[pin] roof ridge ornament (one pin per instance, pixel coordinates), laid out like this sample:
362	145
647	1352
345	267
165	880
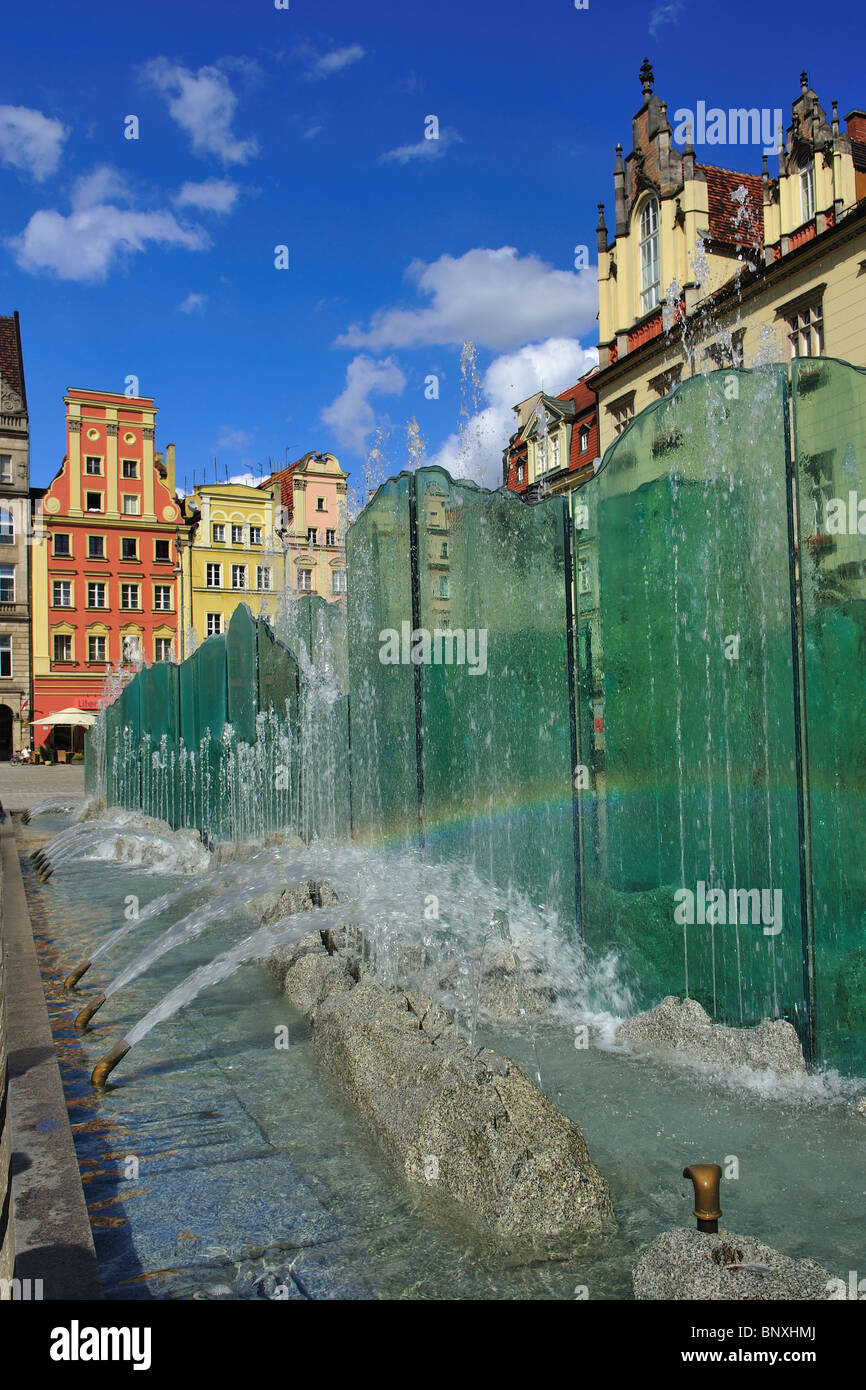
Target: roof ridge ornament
647	77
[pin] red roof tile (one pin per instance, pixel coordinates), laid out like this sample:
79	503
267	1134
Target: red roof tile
734	219
284	478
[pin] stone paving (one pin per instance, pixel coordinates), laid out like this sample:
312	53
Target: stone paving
22	787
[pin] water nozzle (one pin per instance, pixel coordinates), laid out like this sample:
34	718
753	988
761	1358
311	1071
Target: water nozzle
75	975
706	1178
105	1066
83	1018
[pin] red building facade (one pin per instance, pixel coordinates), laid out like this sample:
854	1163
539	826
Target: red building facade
104	586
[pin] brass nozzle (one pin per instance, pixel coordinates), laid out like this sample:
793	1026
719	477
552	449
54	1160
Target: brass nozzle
105	1066
83	1018
706	1178
75	975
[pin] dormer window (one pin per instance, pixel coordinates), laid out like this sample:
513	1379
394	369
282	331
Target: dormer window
807	192
650	280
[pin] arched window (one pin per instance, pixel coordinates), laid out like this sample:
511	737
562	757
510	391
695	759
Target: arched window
650	278
7	527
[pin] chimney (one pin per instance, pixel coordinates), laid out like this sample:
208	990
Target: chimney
855	122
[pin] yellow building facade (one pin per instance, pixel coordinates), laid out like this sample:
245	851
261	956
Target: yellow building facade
233	554
714	268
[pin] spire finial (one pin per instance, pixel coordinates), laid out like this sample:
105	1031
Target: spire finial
804	82
647	77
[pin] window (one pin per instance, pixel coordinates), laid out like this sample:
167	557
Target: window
62	647
218	533
665	382
162	649
554	451
330	538
650	278
255	535
61	593
7	584
95	548
312	535
339	581
129	596
320	504
162	596
5	468
213	576
237	535
521	472
239	576
162	551
131	649
305	581
93	466
443	551
214	624
96	596
263	576
5	658
129	468
541	456
584	574
806	330
94	501
807	192
7	526
622	411
96	649
61	544
583	439
130	504
444	587
129	548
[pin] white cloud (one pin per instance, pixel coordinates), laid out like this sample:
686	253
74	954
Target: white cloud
203	104
211	195
86	244
320	65
249	479
30	141
495	298
233	440
665	13
193	304
351	416
424	149
476	452
312	132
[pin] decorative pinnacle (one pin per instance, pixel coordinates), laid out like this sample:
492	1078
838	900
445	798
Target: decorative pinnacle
804	81
647	77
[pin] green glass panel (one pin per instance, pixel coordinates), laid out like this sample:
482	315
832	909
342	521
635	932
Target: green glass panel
159	703
212	699
830	438
242	682
497	737
686	684
384	755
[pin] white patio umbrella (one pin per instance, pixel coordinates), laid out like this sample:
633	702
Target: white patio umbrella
69	716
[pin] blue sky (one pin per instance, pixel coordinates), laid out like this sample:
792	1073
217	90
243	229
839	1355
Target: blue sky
305	127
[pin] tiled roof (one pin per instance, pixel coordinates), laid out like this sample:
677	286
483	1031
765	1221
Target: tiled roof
733	219
10	357
284	478
580	394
